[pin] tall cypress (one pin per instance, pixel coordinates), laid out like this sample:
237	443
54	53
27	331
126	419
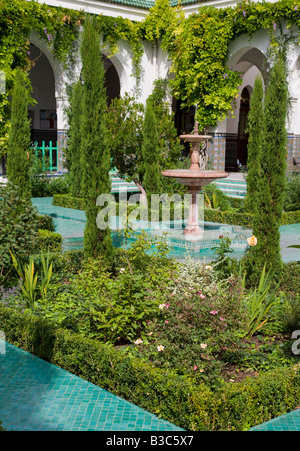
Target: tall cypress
150	152
255	130
18	153
271	186
94	146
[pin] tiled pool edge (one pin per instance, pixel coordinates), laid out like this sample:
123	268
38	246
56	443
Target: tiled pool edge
37	395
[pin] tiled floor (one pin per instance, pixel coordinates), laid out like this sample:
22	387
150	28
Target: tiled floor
287	422
38	396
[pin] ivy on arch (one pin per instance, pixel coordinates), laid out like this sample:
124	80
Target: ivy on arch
197	45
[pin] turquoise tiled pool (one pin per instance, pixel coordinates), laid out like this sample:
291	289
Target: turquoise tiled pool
38	396
70	224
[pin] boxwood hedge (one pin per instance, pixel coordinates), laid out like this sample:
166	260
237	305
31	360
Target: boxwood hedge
194	407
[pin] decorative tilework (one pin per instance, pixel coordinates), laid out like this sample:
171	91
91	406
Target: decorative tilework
38	396
61	144
293	151
216	151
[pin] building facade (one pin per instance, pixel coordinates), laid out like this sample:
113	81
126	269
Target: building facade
246	54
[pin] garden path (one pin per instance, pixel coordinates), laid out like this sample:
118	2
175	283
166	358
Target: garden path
39	396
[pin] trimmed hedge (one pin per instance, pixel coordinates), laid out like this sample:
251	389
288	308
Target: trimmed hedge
177	399
69	201
245	219
47	240
290	217
228	217
210	215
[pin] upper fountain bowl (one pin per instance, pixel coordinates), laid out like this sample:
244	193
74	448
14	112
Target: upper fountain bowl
195	138
194	178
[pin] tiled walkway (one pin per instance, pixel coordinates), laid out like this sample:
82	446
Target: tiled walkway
287	422
38	396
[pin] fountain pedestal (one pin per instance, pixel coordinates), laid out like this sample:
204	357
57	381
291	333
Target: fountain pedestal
195	178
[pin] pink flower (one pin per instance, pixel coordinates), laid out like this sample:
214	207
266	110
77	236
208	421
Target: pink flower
167	305
213	312
166	322
202	296
222	319
195	367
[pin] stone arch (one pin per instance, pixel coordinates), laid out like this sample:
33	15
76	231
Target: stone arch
44	113
249	58
120	65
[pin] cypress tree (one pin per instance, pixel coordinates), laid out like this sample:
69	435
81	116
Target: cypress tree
255	130
18	153
271	186
94	146
150	152
73	151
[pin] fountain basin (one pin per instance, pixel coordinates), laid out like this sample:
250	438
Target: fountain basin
194	178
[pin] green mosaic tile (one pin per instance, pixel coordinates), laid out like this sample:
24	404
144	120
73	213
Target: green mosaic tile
38	396
287	422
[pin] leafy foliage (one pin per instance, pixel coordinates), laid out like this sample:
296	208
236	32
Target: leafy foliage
271	184
19	224
254	147
18	157
150	152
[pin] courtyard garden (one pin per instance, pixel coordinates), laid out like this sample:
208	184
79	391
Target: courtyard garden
208	345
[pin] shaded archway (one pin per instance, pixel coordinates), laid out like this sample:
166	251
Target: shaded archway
250	61
43	114
242	138
112	81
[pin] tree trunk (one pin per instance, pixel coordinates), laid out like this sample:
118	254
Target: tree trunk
143	195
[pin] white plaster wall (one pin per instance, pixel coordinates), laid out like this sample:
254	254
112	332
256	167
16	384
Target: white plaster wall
294	90
248	81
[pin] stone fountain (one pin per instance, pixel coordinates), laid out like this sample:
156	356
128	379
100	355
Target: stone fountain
195	178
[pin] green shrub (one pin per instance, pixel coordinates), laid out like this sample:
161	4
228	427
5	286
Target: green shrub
228	217
68	201
110	306
45	186
290	279
175	398
47	240
216	199
292	193
290	217
46	222
234	216
19	224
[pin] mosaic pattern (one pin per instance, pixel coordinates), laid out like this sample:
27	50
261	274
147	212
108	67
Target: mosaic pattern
216	151
61	144
293	151
38	396
287	422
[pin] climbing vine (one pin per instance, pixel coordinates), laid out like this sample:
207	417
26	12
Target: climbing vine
198	48
197	45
